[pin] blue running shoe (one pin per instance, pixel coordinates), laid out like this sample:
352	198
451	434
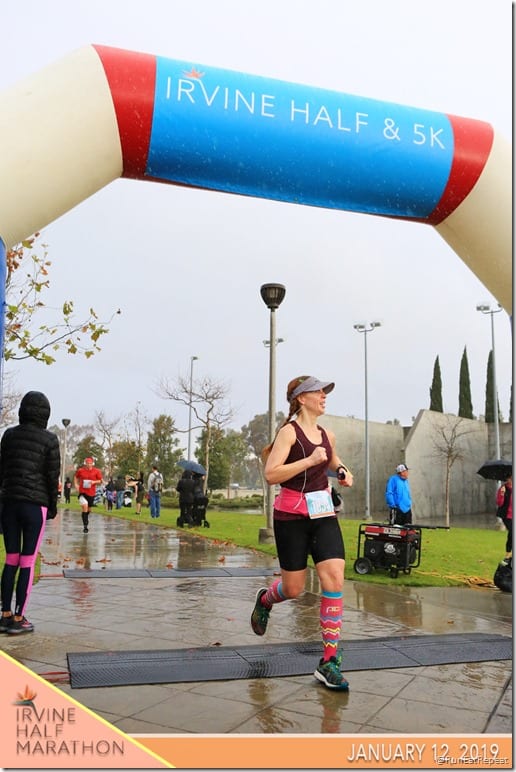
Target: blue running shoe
260	615
329	674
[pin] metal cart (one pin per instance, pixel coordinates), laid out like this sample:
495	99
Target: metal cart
394	548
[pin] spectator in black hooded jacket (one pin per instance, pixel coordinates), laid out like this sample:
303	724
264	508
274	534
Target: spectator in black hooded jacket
186	487
29	478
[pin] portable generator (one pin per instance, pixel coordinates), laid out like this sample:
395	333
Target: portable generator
394	548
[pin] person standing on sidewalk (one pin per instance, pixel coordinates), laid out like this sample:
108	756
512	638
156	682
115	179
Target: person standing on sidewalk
155	486
139	489
87	477
186	489
67	490
504	511
137	484
110	492
30	464
304	519
119	491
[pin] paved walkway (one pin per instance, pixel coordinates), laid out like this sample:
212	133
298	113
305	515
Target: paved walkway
81	614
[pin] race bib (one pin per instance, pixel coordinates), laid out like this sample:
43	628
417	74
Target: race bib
319	504
86	483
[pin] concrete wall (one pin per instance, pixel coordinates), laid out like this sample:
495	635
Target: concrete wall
426	457
386	443
390	445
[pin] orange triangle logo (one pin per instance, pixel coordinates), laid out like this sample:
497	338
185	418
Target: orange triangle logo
42	728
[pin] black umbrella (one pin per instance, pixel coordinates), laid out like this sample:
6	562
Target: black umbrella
500	469
191	466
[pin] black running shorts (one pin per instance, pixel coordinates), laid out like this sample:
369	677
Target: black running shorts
90	500
297	539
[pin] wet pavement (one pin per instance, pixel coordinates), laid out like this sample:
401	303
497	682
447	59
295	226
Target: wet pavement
109	613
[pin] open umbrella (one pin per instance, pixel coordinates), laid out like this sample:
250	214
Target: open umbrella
499	469
191	466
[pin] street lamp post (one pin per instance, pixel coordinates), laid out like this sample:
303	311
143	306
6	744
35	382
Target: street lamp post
272	295
66	423
486	309
365	329
192	360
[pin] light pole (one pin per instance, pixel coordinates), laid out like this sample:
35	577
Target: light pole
365	329
486	309
272	295
192	360
66	423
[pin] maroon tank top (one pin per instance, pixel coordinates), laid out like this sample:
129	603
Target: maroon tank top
315	478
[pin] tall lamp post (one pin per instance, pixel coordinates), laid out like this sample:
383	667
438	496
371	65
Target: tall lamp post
486	309
365	329
192	360
272	295
66	424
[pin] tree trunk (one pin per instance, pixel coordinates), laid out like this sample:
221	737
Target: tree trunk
447	495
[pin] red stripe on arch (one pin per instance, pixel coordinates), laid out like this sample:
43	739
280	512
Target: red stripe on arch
473	142
132	79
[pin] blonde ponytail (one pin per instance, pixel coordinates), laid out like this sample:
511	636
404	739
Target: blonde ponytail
294	409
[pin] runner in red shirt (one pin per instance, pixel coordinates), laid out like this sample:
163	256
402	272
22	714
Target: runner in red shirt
87	477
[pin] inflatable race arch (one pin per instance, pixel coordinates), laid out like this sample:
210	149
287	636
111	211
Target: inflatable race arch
103	113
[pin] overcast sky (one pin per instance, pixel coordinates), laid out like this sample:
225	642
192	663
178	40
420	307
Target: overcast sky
185	266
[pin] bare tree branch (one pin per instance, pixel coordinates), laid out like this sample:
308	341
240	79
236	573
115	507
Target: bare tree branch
447	434
106	430
208	400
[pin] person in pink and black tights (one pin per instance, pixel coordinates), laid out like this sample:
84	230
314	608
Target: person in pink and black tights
29	478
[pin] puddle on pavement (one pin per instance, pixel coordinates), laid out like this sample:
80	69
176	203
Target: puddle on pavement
121	544
113	543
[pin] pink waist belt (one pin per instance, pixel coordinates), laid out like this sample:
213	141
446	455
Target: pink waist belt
291	501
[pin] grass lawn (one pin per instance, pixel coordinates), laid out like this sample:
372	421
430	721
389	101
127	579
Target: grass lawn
458	557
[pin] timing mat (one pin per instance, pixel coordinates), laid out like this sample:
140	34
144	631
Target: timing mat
209	663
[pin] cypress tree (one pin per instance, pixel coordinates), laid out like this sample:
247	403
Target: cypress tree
465	405
491	400
490	396
436	389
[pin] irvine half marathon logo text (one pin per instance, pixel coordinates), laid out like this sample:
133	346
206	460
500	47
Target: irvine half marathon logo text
48	731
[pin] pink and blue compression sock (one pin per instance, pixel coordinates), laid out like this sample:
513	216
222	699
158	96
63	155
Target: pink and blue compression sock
331	622
273	595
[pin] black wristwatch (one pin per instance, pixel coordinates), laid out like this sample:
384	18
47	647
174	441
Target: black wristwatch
341	472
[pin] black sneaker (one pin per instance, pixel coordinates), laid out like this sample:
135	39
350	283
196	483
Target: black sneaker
85	530
260	615
6	623
21	626
329	674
